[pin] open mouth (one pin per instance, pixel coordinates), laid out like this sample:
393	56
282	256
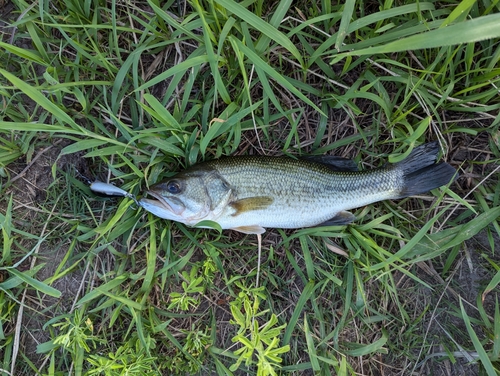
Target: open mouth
162	207
158	207
160	201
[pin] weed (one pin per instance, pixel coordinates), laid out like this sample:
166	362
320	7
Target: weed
257	340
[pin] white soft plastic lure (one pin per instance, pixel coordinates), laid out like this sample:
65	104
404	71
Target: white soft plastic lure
111	190
108	189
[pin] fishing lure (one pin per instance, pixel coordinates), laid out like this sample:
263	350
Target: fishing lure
111	190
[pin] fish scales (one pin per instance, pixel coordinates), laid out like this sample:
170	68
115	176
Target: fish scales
251	193
305	193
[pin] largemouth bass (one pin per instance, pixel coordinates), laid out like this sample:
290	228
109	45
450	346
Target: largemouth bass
251	193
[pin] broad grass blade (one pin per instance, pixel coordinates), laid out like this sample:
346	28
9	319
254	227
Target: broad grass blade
475	30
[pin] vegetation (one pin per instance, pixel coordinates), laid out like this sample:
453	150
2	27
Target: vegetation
131	92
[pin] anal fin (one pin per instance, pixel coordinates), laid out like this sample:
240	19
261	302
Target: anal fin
341	218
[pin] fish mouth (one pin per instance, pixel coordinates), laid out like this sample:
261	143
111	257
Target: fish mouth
160	199
161	205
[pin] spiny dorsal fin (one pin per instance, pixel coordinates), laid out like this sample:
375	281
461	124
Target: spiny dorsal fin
251	203
333	162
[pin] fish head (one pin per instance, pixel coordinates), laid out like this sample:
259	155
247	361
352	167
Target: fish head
189	197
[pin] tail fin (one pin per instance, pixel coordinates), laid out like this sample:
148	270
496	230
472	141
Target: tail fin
421	173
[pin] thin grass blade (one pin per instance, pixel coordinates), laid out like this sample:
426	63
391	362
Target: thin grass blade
307	293
483	356
344	22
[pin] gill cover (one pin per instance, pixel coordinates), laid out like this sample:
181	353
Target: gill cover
189	197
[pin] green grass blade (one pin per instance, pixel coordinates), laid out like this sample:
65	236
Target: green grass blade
23	53
460	12
371	19
483	356
161	113
408	247
374	347
435	244
41	100
311	349
496	333
281	10
6	227
474	30
492	285
172	22
259	24
307	257
208	38
176	69
38	285
151	253
344	22
281	80
167	146
307	293
123	300
101	289
219	127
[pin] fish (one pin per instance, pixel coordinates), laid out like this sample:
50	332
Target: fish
251	193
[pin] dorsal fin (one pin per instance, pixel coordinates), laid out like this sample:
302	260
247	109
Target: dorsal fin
333	162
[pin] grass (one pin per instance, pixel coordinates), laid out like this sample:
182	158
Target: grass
131	92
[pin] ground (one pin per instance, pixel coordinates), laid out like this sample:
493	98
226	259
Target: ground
94	282
465	281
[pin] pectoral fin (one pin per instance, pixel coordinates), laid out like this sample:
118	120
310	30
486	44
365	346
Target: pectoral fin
251	203
341	218
256	229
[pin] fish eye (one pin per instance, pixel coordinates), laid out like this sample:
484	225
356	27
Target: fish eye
173	187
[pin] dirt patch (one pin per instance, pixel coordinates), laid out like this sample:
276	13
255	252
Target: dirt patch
41	309
30	188
443	324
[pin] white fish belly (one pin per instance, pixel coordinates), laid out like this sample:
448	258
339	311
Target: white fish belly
298	213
